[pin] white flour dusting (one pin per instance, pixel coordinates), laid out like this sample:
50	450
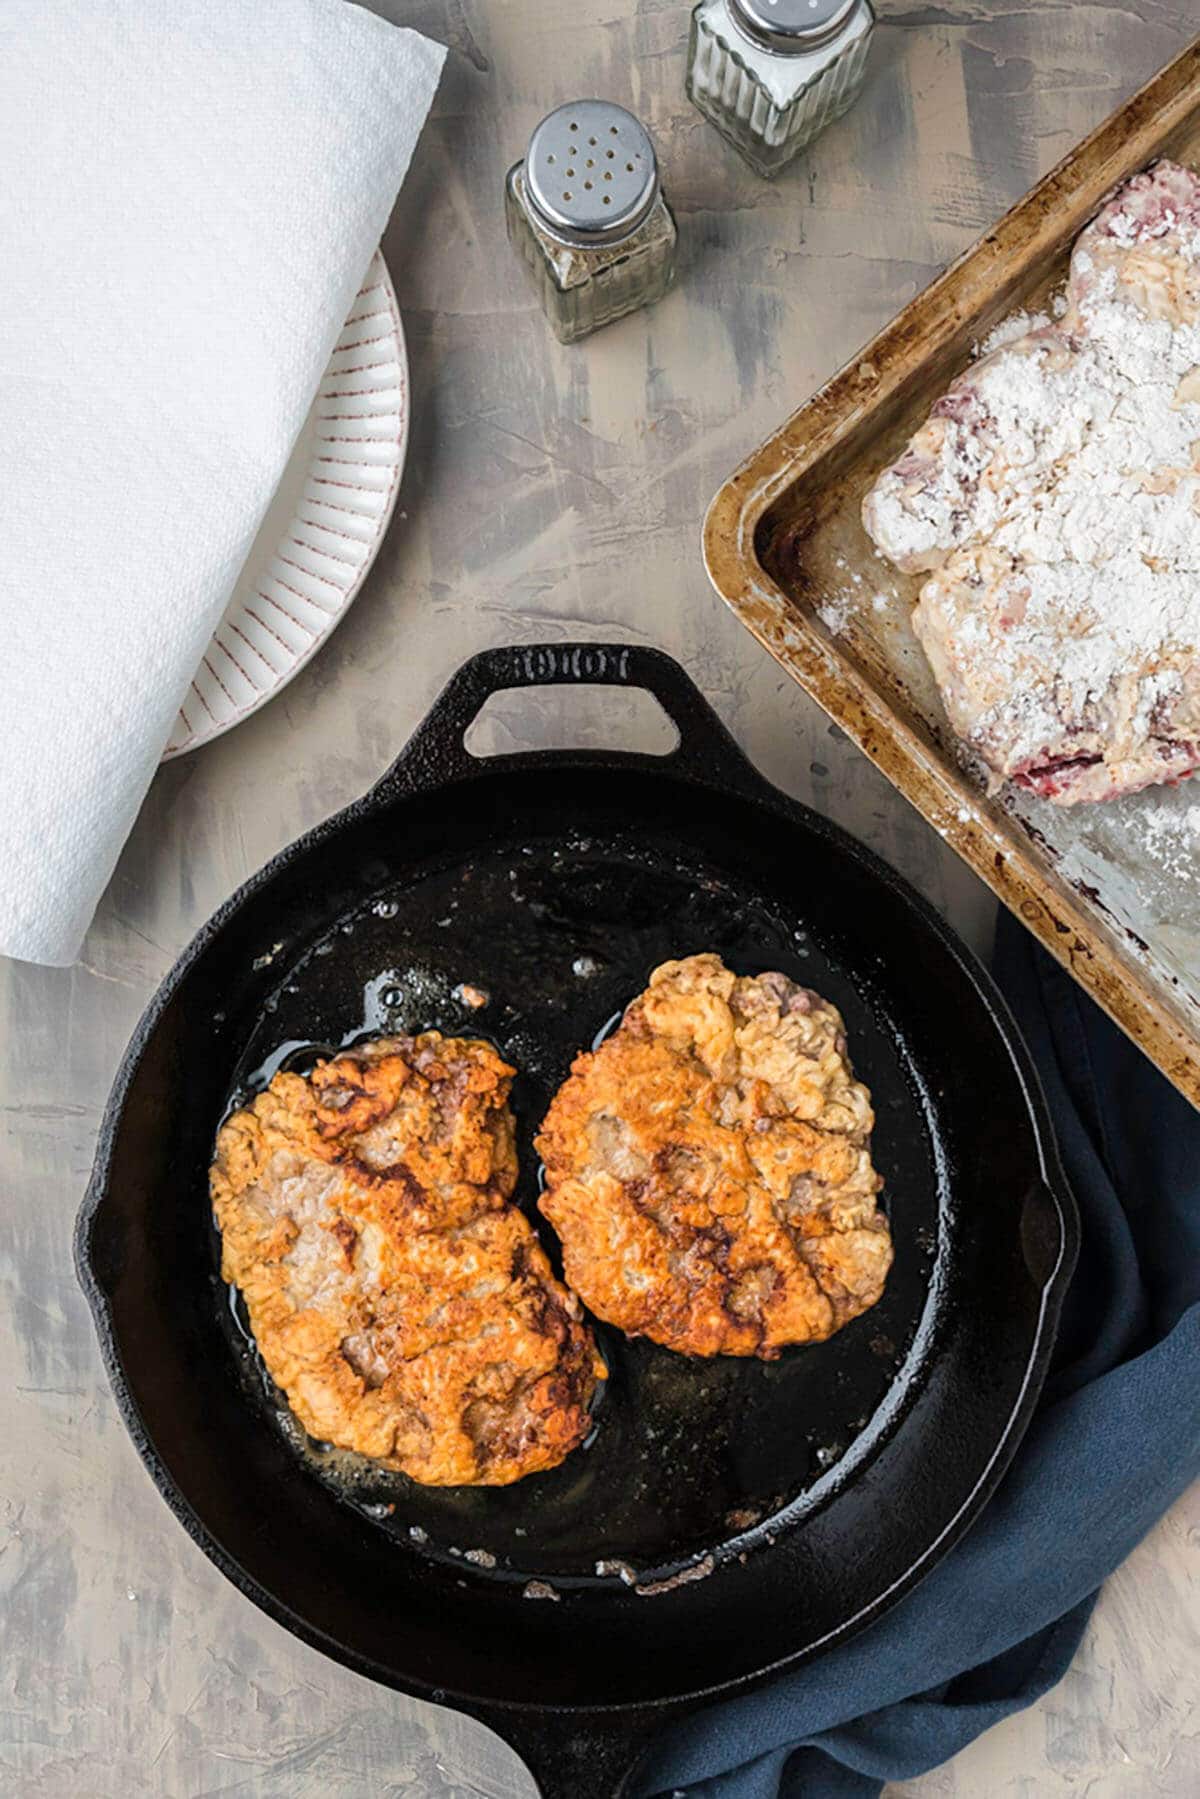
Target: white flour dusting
986	449
1171	838
834	613
1017	324
1091	575
1055	493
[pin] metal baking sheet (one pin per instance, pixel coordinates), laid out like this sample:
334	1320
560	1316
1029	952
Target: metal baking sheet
1112	890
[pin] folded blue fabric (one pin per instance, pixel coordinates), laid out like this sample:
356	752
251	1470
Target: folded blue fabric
1115	1441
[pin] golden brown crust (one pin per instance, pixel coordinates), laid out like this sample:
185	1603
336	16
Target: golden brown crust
404	1307
708	1168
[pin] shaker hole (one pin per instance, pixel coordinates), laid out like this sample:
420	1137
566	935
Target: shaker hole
614	131
608	174
588	185
566	195
608	199
591	140
574	127
629	166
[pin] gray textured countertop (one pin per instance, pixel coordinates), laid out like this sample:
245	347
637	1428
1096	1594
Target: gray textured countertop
550	493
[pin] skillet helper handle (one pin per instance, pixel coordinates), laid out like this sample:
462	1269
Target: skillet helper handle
436	752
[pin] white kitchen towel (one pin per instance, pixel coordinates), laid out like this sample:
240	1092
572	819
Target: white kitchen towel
190	193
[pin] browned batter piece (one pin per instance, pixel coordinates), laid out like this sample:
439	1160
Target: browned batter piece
709	1171
405	1308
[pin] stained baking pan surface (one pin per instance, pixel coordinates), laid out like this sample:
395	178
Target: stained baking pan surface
1112	890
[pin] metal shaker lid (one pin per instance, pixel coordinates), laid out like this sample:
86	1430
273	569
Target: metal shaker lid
590	172
791	26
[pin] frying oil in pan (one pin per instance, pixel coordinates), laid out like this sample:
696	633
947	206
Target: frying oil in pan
688	1458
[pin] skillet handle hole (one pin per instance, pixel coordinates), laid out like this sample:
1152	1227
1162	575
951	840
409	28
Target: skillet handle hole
606	717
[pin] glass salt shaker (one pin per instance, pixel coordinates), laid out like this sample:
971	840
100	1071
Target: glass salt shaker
771	74
586	211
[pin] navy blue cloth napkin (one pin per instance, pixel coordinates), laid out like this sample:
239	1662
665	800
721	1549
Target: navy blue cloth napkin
1115	1441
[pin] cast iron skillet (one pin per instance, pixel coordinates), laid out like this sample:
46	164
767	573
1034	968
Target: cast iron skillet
726	1518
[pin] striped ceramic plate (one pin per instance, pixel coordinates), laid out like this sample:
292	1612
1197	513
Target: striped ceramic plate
322	530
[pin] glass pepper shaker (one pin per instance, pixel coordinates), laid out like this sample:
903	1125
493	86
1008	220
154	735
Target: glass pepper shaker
771	74
586	211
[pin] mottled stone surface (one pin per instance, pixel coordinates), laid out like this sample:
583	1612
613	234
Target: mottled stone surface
549	493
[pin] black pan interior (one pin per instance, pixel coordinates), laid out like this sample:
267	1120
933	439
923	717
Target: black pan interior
560	932
796	1498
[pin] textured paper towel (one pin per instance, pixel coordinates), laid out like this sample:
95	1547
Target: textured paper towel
192	190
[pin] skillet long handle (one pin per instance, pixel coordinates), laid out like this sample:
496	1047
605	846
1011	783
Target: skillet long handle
436	752
579	1757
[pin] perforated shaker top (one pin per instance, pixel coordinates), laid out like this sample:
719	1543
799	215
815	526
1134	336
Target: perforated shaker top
590	172
792	26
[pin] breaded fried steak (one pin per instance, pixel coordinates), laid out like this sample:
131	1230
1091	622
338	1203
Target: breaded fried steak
708	1168
405	1308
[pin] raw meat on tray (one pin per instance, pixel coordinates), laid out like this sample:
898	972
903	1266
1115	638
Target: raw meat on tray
976	456
1146	235
1053	500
